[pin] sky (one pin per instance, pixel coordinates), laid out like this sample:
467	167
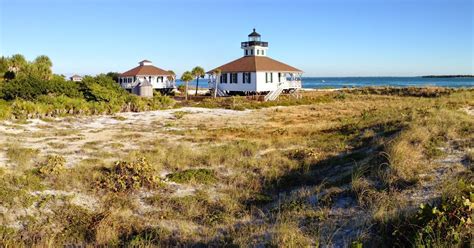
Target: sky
328	38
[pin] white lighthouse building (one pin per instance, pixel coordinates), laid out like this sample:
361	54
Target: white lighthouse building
255	73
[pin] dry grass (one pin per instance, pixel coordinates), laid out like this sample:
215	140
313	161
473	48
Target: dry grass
21	156
320	171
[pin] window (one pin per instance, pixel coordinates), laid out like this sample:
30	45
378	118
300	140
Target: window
129	80
159	79
269	77
246	78
263	52
279	77
258	52
246	52
224	78
233	78
149	78
251	52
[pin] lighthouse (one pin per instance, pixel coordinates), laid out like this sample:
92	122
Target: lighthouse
254	46
254	73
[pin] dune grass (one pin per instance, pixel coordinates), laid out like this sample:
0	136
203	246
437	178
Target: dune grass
281	176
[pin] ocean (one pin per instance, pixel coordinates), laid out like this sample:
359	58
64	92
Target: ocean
348	82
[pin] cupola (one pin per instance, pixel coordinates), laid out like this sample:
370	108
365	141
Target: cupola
254	46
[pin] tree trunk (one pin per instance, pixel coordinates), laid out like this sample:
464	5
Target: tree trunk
197	85
186	93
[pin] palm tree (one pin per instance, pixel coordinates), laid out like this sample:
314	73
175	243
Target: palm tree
198	72
186	78
217	73
43	65
17	62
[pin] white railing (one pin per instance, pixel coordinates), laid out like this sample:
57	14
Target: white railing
211	84
294	84
166	84
160	85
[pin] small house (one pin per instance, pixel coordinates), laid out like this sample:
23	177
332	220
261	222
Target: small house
75	78
145	78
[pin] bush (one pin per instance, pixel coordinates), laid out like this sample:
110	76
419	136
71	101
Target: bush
30	88
53	165
182	88
102	89
127	176
448	223
444	224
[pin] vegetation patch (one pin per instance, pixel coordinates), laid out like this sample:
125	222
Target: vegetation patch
21	156
53	165
180	114
406	91
15	189
447	223
127	176
203	176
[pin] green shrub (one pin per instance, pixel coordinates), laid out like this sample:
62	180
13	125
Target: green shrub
204	176
127	176
102	89
53	165
182	88
444	224
30	88
449	223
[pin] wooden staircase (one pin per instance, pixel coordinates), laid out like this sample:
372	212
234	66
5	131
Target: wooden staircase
221	93
273	95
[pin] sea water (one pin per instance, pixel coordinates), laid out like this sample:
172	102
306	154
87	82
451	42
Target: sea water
348	82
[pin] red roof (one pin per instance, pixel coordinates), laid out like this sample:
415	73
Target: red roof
254	64
145	70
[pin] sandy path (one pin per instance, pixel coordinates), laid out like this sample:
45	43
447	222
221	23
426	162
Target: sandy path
79	138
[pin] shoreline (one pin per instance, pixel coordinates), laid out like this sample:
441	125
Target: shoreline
202	91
